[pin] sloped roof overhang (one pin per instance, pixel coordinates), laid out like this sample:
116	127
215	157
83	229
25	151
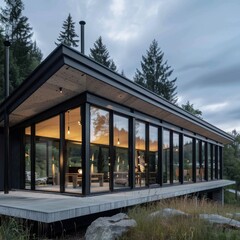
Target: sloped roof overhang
76	73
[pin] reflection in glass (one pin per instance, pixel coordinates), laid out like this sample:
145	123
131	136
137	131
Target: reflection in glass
73	163
99	168
99	126
140	163
47	155
153	155
175	157
166	156
121	165
188	158
27	158
99	150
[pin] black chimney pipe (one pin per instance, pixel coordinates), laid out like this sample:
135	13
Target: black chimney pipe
82	23
7	45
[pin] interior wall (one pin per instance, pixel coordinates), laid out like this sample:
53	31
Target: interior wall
1	159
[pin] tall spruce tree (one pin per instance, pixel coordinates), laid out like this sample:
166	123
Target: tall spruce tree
68	35
100	54
24	54
155	74
189	108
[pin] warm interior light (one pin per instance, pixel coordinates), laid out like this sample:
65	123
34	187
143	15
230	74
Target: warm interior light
68	130
79	123
118	142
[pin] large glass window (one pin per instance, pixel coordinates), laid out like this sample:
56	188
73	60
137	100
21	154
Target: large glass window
199	167
187	159
175	157
47	155
203	166
28	162
73	161
153	155
121	164
99	150
209	161
166	156
140	161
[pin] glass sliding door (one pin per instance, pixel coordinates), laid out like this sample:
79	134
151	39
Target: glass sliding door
187	159
153	155
175	157
120	142
47	155
73	161
166	156
140	149
99	150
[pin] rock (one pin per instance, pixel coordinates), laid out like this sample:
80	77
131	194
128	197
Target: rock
215	218
168	212
109	228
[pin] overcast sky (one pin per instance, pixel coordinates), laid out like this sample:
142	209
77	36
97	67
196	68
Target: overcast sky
200	40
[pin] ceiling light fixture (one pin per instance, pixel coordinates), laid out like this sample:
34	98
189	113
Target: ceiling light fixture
68	122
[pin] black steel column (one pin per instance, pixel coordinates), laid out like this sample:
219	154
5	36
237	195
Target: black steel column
111	151
181	152
171	157
211	146
206	161
131	144
6	152
216	162
85	116
147	155
194	161
160	156
33	156
62	151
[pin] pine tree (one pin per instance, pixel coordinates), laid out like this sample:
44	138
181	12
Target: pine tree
189	108
155	74
68	35
100	54
24	54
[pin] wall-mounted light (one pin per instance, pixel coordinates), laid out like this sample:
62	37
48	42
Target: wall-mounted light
60	90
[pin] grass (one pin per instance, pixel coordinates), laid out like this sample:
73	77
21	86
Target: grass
11	229
181	227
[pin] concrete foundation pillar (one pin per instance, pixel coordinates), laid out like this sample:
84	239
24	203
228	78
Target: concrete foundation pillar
218	195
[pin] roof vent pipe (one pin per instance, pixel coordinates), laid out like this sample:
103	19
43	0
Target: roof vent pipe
82	23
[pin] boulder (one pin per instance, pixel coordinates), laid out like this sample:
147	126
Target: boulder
218	219
109	228
168	212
